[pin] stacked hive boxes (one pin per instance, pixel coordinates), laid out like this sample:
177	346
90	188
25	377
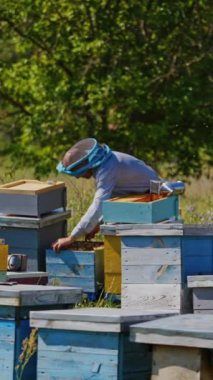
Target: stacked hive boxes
151	268
134	210
33	215
16	302
156	258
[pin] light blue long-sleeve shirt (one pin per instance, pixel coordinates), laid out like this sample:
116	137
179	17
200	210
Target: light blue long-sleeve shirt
121	174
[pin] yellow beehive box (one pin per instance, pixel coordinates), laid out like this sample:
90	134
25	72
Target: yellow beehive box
3	255
112	264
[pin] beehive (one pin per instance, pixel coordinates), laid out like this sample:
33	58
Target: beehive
151	266
197	250
31	236
145	208
202	289
90	343
16	301
31	197
182	346
80	265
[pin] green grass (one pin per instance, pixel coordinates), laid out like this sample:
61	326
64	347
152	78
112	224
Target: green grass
196	205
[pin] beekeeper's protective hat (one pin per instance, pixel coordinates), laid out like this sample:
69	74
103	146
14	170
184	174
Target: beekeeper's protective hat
84	155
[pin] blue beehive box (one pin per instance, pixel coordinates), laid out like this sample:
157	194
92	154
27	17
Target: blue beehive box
197	250
80	265
31	236
16	301
91	343
146	208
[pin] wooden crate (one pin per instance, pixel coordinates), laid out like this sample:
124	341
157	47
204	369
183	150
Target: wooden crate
16	301
90	343
182	346
80	265
32	236
146	208
31	197
202	288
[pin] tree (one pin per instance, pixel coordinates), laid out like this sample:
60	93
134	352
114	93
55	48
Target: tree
132	74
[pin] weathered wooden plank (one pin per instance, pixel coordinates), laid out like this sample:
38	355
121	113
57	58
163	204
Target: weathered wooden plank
145	256
158	229
151	274
87	284
28	295
150	242
151	296
7	355
199	281
189	330
149	232
72	270
32	222
69	257
97	315
132	226
203	311
198	229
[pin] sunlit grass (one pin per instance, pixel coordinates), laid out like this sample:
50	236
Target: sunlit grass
197	202
196	205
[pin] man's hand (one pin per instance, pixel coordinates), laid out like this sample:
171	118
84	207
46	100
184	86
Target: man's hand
62	243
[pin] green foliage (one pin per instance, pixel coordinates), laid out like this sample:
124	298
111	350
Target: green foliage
135	74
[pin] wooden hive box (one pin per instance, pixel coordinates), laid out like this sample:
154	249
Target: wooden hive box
151	272
31	197
3	259
182	346
202	288
112	266
145	208
197	250
32	236
90	343
16	301
80	265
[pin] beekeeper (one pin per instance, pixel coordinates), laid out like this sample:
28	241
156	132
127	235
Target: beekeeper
115	174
